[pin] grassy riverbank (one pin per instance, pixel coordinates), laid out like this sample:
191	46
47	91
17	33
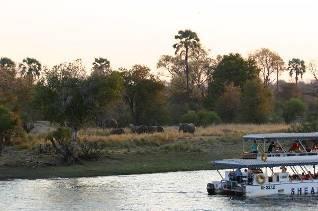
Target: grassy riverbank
131	153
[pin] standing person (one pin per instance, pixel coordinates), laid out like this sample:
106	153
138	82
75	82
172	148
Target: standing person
254	148
271	147
238	175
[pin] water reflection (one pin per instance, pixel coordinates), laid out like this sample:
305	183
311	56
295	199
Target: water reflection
166	191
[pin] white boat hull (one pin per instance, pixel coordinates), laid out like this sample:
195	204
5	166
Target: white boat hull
300	188
294	188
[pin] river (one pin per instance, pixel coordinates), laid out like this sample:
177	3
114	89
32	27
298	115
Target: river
161	191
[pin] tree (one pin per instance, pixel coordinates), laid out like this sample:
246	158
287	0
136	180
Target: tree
101	66
256	102
293	108
201	66
7	64
297	67
144	95
313	69
228	104
233	69
187	40
67	96
269	63
30	68
7	123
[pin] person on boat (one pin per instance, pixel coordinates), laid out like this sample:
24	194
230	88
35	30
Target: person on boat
271	147
310	175
238	175
278	148
254	148
244	175
295	147
315	147
284	169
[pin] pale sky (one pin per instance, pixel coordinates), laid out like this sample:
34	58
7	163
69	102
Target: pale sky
131	32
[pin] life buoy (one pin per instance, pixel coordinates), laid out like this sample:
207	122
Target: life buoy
264	157
260	179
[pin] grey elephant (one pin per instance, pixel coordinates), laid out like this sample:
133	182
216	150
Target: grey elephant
187	127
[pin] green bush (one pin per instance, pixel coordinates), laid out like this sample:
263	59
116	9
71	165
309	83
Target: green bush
294	108
208	117
190	117
201	118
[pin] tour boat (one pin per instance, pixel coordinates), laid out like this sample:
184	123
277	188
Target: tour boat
283	170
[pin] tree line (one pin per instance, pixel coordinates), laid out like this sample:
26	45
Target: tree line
201	89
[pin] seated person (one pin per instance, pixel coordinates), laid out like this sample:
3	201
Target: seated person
271	147
284	169
315	147
278	149
295	147
254	148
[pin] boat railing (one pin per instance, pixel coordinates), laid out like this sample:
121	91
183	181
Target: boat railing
289	154
277	154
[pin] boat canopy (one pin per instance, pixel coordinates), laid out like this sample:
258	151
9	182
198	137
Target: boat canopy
254	163
281	136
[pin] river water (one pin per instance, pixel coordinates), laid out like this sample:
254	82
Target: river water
161	191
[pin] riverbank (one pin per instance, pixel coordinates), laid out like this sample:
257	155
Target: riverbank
131	153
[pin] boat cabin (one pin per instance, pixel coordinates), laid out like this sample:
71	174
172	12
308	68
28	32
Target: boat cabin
280	146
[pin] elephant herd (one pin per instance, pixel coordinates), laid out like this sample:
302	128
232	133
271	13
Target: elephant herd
139	129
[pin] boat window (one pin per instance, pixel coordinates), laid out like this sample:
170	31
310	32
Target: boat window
270	179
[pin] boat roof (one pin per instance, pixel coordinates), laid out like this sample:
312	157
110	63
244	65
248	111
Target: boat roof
254	163
281	136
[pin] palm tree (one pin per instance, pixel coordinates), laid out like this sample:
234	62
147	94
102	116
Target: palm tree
187	40
298	67
101	66
30	67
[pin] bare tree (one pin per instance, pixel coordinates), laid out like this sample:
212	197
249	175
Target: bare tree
312	67
269	63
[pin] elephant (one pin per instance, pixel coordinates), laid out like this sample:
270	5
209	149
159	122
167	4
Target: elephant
107	123
117	131
187	127
159	129
145	129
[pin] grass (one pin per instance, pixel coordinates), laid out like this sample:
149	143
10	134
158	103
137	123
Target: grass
132	153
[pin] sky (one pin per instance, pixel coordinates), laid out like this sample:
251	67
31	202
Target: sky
129	32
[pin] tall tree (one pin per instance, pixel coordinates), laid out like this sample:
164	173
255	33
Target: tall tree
269	63
201	66
187	41
31	68
101	66
296	66
232	68
144	95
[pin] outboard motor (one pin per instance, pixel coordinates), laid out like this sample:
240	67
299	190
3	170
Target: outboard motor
210	188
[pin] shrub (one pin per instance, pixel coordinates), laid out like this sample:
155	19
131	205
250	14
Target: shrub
201	118
190	117
293	109
208	117
90	151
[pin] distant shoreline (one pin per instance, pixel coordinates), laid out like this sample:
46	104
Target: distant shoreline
132	153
